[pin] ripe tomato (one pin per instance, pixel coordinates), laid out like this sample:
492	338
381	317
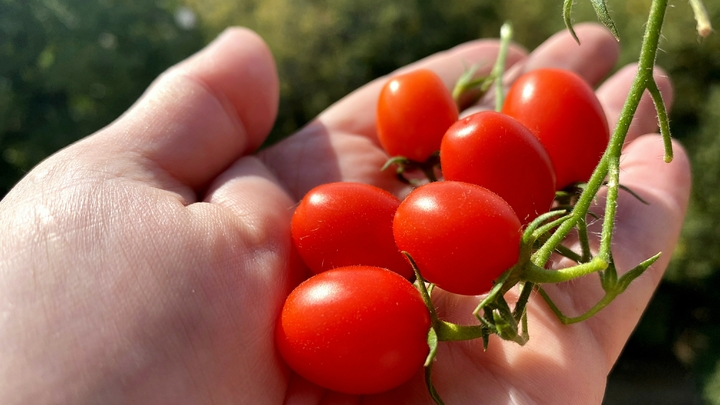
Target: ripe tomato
413	112
495	151
462	236
561	109
357	330
343	224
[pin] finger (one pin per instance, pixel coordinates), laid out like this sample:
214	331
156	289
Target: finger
199	116
250	191
341	143
641	231
614	91
592	59
260	268
261	210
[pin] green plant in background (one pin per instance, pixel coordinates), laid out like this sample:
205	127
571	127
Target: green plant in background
71	66
692	281
325	49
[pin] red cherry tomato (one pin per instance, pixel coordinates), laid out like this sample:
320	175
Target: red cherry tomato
561	109
462	236
413	112
357	330
344	224
495	151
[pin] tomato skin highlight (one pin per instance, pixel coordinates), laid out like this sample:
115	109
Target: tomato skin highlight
344	224
356	330
462	236
561	109
413	112
497	152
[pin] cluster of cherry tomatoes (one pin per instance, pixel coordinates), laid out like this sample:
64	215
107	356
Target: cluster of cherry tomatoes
359	325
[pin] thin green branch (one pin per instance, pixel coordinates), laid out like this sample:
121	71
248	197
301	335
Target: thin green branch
542	255
433	345
524	325
519	312
420	284
664	122
451	332
567	252
644	77
531	233
466	82
584	241
646	63
613	192
549	226
704	27
443	331
506	32
634	194
539	275
567	17
494	293
609	277
611	292
607	299
506	324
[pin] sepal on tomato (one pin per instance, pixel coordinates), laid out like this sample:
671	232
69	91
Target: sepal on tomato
406	168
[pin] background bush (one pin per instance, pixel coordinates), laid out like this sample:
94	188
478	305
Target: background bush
70	67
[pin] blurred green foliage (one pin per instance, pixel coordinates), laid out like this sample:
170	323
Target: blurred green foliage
69	67
325	49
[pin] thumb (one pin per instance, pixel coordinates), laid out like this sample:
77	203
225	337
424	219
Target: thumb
199	116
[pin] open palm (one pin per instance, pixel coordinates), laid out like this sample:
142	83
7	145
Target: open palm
148	263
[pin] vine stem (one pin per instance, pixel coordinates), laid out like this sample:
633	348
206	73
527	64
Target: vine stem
506	33
444	331
643	80
609	165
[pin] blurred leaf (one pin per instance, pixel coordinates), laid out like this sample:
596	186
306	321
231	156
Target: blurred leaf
603	15
72	66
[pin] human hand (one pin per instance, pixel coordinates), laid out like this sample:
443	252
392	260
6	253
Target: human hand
148	263
560	364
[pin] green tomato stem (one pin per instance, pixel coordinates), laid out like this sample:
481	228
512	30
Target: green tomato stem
612	290
648	53
610	162
539	275
525	292
567	17
584	240
451	332
506	32
704	28
567	252
420	285
664	121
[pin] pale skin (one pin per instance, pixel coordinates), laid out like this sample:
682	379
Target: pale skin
147	263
